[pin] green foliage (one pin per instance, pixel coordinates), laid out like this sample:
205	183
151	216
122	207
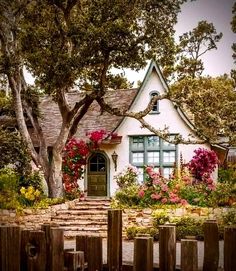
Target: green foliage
227	174
195	194
160	217
34	179
192	45
229	218
133	231
128	177
128	196
29	196
223	195
46	202
211	102
6	105
9	181
188	226
13	151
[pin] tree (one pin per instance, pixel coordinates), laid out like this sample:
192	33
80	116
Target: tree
211	103
191	47
77	41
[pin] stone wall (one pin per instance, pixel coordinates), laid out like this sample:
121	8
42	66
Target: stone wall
34	218
143	217
31	218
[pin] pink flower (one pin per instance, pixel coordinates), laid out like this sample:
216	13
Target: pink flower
183	202
155	196
164	188
164	200
156	182
141	193
149	170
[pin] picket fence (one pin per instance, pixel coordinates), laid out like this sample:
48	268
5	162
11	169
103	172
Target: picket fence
43	250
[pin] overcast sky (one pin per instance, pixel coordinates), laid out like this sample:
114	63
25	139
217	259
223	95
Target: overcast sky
218	12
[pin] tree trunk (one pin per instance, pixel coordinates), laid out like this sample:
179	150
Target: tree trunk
55	185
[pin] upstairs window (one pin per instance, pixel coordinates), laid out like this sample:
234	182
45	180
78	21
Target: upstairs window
155	108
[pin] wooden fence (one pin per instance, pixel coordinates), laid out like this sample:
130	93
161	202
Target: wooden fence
43	250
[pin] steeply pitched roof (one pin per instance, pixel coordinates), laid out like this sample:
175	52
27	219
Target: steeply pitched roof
94	119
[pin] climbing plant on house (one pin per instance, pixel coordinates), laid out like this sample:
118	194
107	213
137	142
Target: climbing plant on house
75	157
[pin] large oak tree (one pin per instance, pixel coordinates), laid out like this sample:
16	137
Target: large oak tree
63	42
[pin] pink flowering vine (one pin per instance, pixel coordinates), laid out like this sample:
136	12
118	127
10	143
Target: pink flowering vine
75	156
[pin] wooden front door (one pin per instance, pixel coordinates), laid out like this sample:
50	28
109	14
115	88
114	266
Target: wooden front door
97	175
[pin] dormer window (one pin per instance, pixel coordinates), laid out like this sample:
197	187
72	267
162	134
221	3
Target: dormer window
155	108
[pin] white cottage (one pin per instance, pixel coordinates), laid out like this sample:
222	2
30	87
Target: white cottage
138	146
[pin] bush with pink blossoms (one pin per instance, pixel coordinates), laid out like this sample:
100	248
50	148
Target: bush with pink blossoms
158	190
203	163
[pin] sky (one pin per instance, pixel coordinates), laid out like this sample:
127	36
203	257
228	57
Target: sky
218	12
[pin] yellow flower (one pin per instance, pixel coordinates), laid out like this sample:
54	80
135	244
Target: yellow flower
22	190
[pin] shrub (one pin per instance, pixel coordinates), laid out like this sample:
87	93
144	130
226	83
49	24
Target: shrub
133	231
222	195
188	226
196	194
159	190
128	196
128	177
34	180
29	196
9	184
160	218
227	174
203	164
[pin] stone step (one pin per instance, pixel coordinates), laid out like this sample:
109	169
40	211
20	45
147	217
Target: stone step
81	218
91	208
81	223
92	229
72	234
81	212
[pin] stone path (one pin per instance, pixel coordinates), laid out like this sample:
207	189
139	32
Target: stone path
129	245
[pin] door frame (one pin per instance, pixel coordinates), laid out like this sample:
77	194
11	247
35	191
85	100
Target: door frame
107	172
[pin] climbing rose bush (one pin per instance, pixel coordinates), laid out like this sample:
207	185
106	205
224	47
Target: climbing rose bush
75	156
202	165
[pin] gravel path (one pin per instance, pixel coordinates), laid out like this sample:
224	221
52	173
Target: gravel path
128	247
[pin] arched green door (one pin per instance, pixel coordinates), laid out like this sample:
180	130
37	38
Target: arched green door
97	175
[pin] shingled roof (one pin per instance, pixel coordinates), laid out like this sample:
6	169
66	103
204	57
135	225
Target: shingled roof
94	119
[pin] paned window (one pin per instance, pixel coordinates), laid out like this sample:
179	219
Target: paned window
152	150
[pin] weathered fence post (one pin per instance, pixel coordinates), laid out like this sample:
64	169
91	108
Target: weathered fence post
167	248
189	255
143	254
94	253
114	240
33	251
82	245
74	260
211	246
3	248
230	248
10	248
55	247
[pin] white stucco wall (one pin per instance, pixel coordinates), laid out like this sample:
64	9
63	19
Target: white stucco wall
168	116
